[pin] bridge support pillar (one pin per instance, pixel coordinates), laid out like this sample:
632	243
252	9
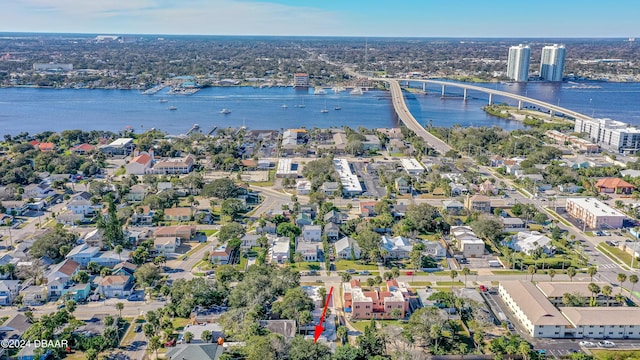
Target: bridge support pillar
519	104
464	96
424	86
490	99
442	91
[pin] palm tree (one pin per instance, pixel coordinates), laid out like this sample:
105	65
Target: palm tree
622	277
606	291
532	269
571	272
620	298
551	273
119	307
435	333
188	336
345	277
154	344
633	279
524	349
543	256
592	271
595	289
465	272
118	250
297	257
322	292
453	274
396	314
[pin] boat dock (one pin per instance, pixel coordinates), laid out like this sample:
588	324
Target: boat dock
193	129
154	89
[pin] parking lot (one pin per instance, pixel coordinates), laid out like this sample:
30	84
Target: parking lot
372	185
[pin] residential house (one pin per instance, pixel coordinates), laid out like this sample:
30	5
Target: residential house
280	250
434	249
59	276
15	208
376	303
13	329
82	149
197	329
614	186
367	208
69	218
139	165
303	219
286	328
452	207
330	188
529	242
511	224
478	203
332	231
371	143
124	268
398	211
37	191
303	187
570	188
183	232
249	241
166	245
142	215
117	286
488	188
33	295
94	238
137	192
177	214
174	166
312	233
402	185
110	258
268	228
79	205
396	146
396	248
9	290
121	146
83	254
334	216
347	248
220	255
46	146
308	250
195	351
467	242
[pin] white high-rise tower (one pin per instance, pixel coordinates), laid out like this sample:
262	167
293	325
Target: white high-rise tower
552	62
518	63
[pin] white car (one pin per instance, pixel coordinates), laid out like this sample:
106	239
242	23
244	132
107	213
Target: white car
606	344
587	344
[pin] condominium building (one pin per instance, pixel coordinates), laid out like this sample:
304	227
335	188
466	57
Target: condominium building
615	135
594	214
350	183
552	62
301	80
518	63
376	303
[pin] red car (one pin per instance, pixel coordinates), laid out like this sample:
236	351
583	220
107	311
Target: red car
409	273
483	288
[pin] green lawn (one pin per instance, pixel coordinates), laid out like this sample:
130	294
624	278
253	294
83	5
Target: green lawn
131	334
208	232
507	272
449	283
203	265
243	263
419	283
179	323
342	265
615	354
620	254
306	265
361	324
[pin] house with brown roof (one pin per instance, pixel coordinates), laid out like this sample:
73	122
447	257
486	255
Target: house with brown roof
478	203
116	286
375	303
220	255
177	214
174	166
46	146
82	149
614	186
183	232
139	165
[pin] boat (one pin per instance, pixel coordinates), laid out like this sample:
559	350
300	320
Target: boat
337	108
225	111
324	109
284	106
356	91
173	108
163	100
319	91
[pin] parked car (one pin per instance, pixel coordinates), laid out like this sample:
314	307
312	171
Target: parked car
138	328
606	344
587	344
24	308
483	288
350	271
365	272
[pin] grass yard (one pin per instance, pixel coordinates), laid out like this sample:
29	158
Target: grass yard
620	254
449	283
128	337
208	232
420	283
615	354
306	266
342	265
179	323
361	324
243	263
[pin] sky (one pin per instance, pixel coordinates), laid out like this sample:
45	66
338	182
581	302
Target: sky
390	18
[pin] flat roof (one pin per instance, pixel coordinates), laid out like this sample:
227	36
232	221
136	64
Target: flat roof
349	180
557	289
411	164
120	142
605	316
285	166
596	207
535	306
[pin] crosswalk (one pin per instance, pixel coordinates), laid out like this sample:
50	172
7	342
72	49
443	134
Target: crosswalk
608	266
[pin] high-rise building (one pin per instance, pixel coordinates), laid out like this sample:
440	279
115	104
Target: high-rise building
552	62
518	63
614	135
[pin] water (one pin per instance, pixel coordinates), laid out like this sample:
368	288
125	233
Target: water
35	110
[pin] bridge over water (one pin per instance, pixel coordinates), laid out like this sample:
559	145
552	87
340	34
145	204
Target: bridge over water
407	118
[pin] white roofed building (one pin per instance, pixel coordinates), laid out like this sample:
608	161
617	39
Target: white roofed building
412	166
350	183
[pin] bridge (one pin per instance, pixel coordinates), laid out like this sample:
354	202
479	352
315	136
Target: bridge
410	122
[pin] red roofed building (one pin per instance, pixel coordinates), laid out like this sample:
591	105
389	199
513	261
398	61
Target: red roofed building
82	148
376	303
367	208
139	164
183	232
46	146
614	185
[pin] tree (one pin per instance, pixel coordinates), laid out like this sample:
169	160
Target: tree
155	344
91	354
230	231
372	341
396	314
633	279
288	229
303	349
453	274
147	274
465	273
294	302
206	336
551	273
49	245
571	272
488	228
532	269
348	352
188	336
231	207
369	243
622	277
220	188
342	333
606	291
118	250
70	305
345	277
81	277
111	225
322	292
119	307
592	271
594	289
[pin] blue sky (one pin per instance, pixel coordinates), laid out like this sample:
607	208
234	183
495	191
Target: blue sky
419	18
